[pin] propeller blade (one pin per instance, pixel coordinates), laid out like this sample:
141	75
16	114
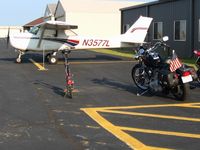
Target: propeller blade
8	38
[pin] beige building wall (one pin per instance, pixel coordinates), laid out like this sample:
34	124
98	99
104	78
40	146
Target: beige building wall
13	30
93	17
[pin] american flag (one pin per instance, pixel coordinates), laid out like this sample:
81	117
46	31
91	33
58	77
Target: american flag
175	63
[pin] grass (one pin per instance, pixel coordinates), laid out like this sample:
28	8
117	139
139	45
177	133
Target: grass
127	52
117	52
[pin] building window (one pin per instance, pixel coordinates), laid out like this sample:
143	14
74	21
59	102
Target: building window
180	30
126	27
157	30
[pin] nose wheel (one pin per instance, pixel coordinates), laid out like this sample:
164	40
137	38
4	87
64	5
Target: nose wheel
19	59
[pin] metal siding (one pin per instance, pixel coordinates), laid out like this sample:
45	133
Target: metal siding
162	13
196	24
167	13
181	11
131	15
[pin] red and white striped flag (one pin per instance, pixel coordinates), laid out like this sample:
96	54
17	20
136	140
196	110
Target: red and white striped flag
175	63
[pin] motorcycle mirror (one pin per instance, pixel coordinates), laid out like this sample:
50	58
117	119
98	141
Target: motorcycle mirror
165	38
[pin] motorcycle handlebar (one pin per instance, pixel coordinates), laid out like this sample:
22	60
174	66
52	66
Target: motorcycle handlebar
158	44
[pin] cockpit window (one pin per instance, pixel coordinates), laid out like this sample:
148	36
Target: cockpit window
34	30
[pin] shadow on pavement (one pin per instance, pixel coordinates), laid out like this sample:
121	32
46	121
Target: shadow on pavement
116	85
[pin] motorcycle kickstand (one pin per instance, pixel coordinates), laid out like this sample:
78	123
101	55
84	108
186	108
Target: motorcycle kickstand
140	94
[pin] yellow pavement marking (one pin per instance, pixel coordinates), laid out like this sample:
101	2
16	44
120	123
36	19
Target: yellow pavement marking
98	62
148	106
180	134
40	67
152	115
132	142
129	140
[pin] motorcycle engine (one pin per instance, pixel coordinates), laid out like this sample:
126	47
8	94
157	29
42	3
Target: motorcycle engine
154	84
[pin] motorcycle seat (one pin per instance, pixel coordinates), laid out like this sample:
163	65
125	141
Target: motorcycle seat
197	52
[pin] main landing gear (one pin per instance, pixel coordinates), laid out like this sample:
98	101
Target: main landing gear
52	58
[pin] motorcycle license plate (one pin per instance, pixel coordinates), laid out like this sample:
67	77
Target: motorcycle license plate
187	79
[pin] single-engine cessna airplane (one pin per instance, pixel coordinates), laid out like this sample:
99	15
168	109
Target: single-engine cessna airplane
55	36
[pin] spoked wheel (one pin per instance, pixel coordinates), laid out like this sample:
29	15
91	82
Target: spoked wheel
140	77
181	91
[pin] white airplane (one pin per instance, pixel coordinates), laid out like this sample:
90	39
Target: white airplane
55	36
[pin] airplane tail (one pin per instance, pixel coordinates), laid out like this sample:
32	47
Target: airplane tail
137	32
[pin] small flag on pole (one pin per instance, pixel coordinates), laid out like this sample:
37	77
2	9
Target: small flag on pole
175	63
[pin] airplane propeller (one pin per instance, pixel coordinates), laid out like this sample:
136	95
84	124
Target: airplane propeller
8	38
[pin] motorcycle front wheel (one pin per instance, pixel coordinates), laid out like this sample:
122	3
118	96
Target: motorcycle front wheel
181	91
140	77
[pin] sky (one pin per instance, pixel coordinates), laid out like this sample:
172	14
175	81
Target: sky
20	12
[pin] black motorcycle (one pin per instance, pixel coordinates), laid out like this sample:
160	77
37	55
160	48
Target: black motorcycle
159	70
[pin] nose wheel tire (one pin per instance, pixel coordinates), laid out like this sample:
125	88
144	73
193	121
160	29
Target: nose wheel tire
18	60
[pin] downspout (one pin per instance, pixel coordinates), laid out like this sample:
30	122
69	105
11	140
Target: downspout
121	21
191	27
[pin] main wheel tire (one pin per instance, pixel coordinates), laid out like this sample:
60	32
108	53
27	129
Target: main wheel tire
140	77
181	91
47	57
53	59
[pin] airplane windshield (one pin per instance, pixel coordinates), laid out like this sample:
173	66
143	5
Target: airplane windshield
34	30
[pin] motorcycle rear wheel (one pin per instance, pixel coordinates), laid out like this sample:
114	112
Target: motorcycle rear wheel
198	76
181	91
140	77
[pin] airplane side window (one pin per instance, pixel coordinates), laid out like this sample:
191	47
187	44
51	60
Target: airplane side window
50	33
34	30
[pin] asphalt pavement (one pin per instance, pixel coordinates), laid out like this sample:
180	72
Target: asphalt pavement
104	113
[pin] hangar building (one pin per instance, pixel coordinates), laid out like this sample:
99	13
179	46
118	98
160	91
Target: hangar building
50	12
13	29
93	17
178	19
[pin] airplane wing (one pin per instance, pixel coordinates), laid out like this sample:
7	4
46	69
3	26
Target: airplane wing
58	25
55	25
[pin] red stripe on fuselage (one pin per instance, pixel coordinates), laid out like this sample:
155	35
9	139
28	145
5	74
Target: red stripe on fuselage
139	28
73	41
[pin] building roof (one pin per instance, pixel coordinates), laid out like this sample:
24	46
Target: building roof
52	8
147	4
34	22
95	6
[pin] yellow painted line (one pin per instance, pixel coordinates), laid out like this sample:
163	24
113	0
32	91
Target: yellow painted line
126	138
148	106
180	134
97	62
151	115
118	131
132	142
40	67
